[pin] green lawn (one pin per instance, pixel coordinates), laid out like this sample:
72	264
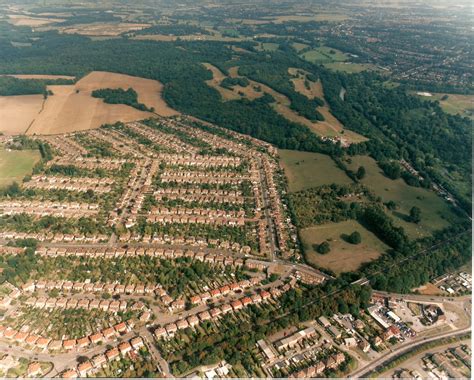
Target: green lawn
305	170
435	212
343	257
324	54
15	164
299	46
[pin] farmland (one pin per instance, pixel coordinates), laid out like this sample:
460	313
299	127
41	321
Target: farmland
15	164
305	170
62	111
435	212
343	257
17	112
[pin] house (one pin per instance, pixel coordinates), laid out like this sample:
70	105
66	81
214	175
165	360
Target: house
195	299
34	369
112	354
334	332
20	337
204	316
392	331
226	308
69	374
31	339
215	312
159	332
108	333
246	301
137	343
42	343
99	360
364	345
120	327
124	348
193	320
171	328
182	324
55	345
96	338
69	344
324	322
84	368
83	342
236	305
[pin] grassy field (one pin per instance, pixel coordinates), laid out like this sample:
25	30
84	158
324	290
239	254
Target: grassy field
299	46
305	170
350	67
268	46
435	212
455	104
343	257
324	54
15	164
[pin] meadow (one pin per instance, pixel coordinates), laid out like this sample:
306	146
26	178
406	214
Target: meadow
344	256
435	212
305	170
15	164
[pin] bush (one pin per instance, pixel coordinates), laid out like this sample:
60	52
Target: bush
323	248
354	238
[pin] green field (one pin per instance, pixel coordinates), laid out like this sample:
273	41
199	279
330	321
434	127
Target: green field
299	46
435	212
324	54
305	170
455	104
267	46
15	164
343	257
350	68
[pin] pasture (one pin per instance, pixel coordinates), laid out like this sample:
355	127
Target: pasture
454	103
349	67
305	170
15	164
435	212
344	256
324	54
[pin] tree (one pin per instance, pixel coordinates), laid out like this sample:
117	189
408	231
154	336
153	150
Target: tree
323	248
354	238
415	214
360	172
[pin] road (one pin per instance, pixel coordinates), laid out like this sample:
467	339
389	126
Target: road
402	349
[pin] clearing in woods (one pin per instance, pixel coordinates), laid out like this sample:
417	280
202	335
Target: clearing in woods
15	164
305	170
330	123
63	111
344	256
282	104
39	76
435	212
453	103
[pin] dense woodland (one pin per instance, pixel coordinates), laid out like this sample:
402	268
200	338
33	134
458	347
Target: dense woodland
120	96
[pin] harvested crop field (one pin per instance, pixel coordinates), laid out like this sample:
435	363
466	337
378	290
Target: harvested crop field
63	111
17	112
344	256
22	20
102	29
72	108
39	76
